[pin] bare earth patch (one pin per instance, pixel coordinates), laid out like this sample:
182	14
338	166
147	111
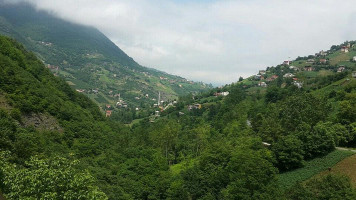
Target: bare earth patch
42	122
346	167
3	103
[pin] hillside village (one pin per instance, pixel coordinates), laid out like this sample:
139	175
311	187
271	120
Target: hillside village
88	122
340	58
301	72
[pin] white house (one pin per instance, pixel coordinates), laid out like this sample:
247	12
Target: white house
287	62
225	93
298	84
288	75
310	61
354	58
294	68
341	69
262	84
344	49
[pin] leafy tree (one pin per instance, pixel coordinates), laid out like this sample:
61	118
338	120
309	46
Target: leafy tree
300	108
48	179
316	141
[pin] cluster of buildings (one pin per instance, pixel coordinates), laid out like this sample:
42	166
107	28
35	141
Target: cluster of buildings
53	68
48	44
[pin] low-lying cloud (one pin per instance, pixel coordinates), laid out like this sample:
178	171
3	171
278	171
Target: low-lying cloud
213	41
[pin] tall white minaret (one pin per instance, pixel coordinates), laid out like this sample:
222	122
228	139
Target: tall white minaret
159	98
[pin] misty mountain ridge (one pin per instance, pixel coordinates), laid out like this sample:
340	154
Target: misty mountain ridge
89	61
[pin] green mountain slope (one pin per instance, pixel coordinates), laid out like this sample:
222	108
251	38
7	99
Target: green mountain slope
42	117
89	61
207	147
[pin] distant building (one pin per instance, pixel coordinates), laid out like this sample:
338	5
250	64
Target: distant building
262	72
344	49
257	77
288	75
298	84
354	58
294	68
323	61
262	84
272	78
80	90
108	113
310	61
286	62
197	106
221	94
323	53
354	74
266	144
341	69
308	68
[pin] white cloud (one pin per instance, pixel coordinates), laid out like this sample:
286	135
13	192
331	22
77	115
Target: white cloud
214	41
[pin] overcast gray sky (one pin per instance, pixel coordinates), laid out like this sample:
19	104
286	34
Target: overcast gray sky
214	41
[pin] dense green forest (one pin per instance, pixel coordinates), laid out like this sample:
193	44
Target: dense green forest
229	147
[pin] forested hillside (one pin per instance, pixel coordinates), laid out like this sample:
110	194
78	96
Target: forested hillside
91	63
223	146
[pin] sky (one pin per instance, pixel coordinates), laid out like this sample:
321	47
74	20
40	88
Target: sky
214	41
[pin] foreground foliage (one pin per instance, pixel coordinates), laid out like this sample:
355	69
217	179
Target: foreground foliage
47	179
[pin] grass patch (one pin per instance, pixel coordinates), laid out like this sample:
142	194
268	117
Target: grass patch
345	167
311	168
135	121
101	99
70	83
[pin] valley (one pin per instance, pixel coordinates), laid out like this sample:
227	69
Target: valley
80	119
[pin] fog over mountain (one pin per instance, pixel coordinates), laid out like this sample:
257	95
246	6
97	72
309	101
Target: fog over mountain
213	41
